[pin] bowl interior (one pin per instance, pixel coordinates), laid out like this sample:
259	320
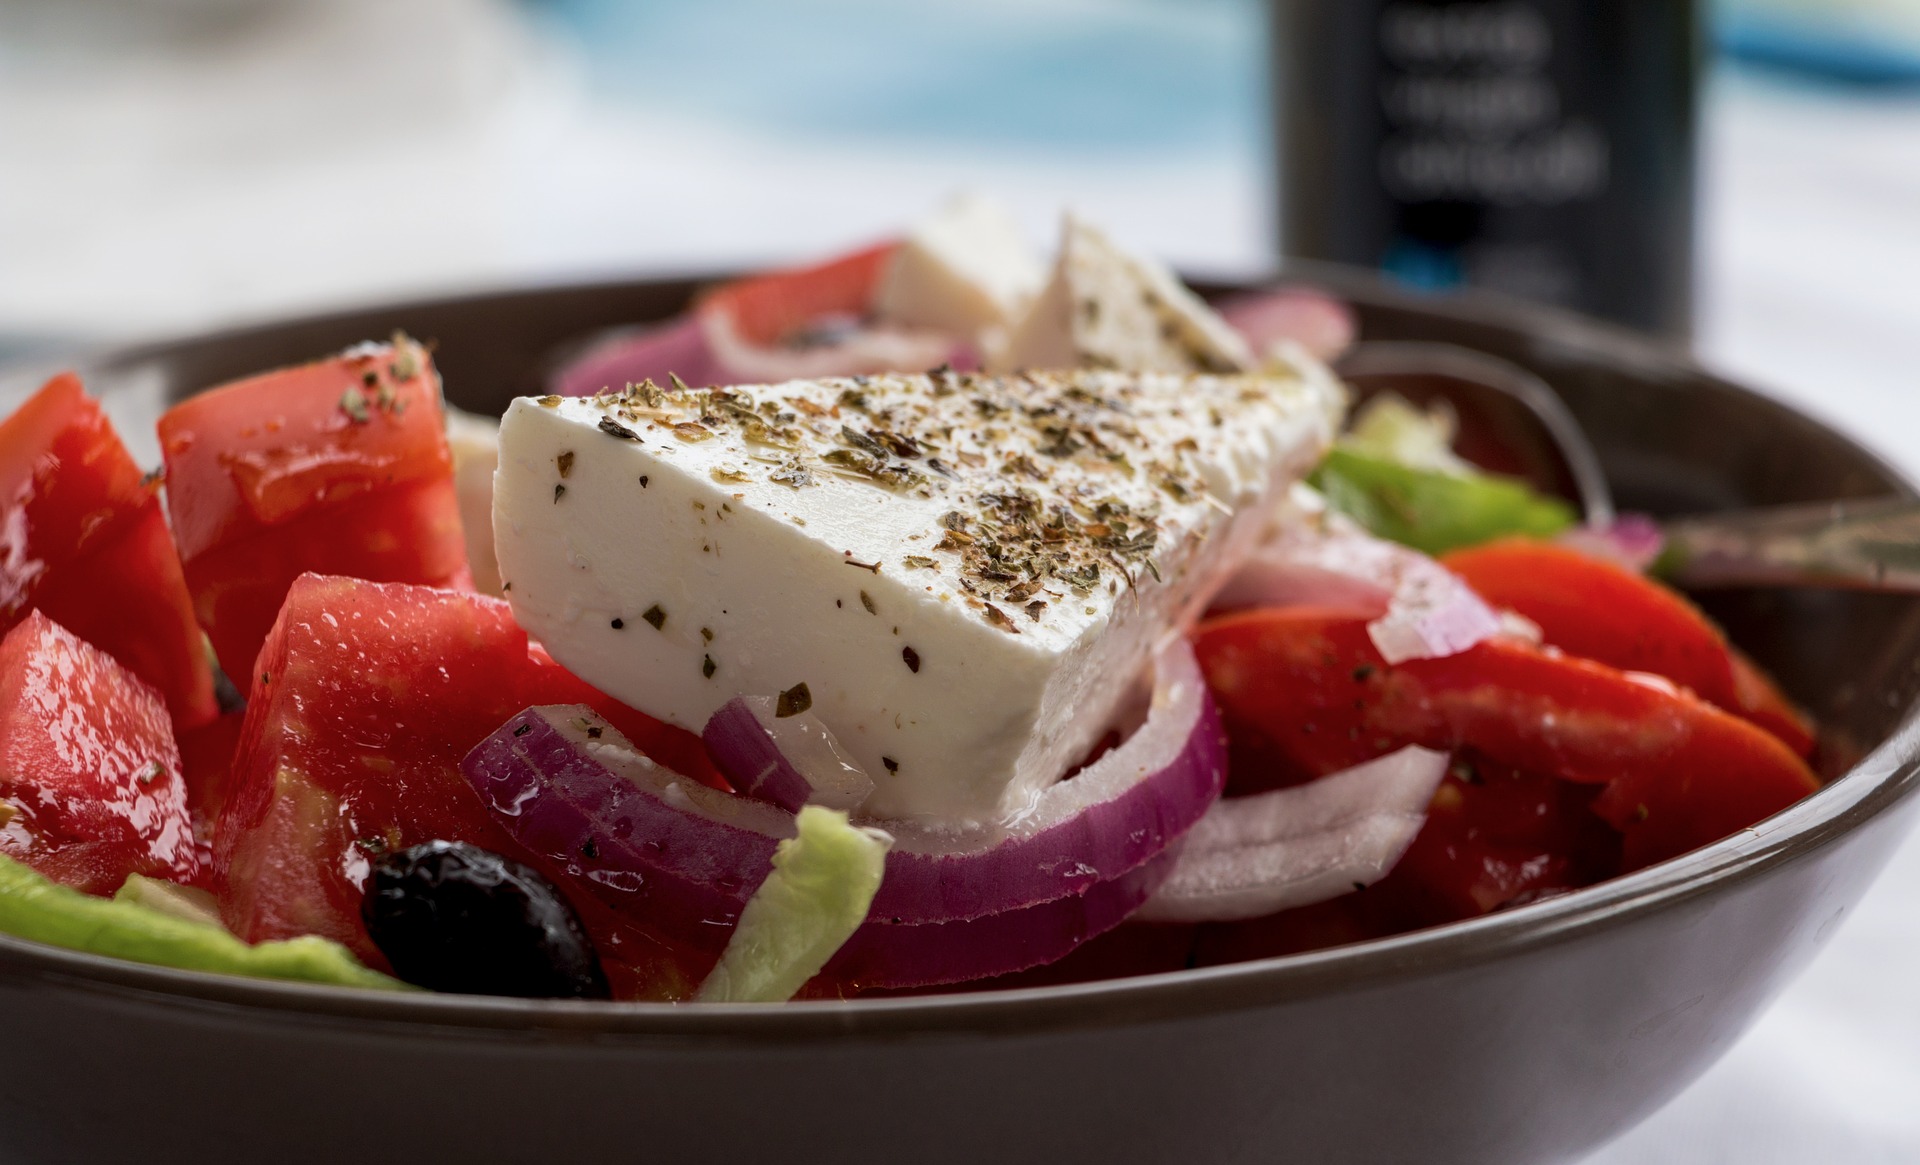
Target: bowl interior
1672	439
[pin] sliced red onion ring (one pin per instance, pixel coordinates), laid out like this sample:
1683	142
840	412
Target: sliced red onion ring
1321	324
707	349
1425	610
882	955
569	787
566	785
868	348
1104	821
629	357
1252	856
787	760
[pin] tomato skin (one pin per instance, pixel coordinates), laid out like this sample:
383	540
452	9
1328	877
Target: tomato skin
1760	701
206	762
1604	612
88	766
366	698
340	466
767	309
1495	837
1289	717
82	537
1677	773
410	532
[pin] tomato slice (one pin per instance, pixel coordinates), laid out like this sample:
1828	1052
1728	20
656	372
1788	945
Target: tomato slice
1602	611
82	537
1496	836
768	309
1759	700
206	761
339	466
1676	772
366	698
90	787
409	533
1289	714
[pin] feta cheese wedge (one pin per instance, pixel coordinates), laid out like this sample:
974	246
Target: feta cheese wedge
963	576
1105	308
965	271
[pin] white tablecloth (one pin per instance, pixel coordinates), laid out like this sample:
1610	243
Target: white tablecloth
249	176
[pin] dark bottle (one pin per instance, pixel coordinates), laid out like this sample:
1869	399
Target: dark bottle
1543	148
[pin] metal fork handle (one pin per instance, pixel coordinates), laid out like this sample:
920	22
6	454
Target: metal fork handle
1868	544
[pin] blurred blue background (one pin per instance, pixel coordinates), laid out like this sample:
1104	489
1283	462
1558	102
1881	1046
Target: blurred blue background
1180	75
170	164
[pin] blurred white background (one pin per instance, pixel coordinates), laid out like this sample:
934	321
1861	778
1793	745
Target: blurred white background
170	166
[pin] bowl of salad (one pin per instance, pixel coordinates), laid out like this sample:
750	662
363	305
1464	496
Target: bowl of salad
935	701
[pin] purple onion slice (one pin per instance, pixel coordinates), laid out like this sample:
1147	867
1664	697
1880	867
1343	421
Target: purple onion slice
677	348
883	955
787	760
1102	822
569	787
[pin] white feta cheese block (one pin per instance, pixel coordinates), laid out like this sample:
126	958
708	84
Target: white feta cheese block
967	573
1105	308
963	272
475	443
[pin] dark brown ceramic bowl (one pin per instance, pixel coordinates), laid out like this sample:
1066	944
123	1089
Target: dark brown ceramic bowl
1530	1036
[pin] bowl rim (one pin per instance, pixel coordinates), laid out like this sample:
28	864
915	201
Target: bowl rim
1886	776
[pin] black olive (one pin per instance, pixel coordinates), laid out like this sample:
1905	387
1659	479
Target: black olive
453	917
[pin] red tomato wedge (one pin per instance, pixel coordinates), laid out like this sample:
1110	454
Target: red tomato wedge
768	309
1604	612
89	775
206	759
1257	667
1760	701
337	467
365	699
1496	837
82	538
1601	611
1310	691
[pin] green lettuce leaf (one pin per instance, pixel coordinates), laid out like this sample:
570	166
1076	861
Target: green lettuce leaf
124	927
822	883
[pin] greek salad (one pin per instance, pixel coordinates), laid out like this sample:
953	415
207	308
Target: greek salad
932	618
